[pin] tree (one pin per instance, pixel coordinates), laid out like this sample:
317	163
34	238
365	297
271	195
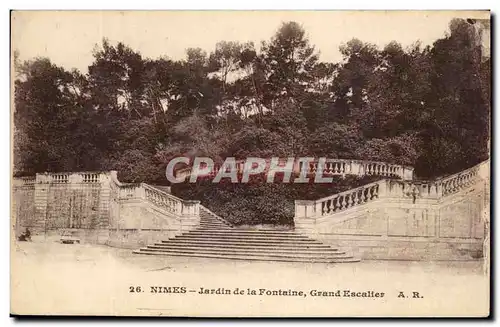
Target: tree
457	129
50	117
289	61
350	86
115	79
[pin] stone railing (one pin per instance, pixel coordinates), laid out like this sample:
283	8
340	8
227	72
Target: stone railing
156	197
163	200
387	188
456	182
63	178
340	167
338	202
28	181
361	168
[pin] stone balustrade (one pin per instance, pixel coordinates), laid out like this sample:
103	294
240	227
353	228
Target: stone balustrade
163	200
442	219
456	182
130	191
64	178
387	188
156	197
339	202
360	168
24	181
333	167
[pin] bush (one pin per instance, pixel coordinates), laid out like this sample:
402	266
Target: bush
258	202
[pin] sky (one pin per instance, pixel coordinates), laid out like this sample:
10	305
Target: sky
69	37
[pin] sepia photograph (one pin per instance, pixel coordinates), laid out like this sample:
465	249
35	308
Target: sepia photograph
250	163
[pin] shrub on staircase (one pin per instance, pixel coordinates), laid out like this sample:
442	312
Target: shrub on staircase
259	202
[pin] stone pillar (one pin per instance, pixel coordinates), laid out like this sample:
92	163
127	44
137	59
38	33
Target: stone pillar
42	185
104	200
407	173
190	215
304	209
383	188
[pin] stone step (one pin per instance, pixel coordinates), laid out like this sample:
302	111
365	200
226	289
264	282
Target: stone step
217	239
213	225
256	238
253	254
243	240
328	252
243	232
251	229
247	234
212	221
245	244
253	258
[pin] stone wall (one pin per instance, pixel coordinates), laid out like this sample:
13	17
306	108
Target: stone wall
99	209
143	215
396	222
50	203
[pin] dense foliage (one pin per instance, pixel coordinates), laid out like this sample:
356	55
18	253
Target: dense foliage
428	107
423	106
258	202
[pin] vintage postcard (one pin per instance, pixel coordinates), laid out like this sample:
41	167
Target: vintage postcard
251	163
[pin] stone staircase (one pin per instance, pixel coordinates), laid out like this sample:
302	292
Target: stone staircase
214	238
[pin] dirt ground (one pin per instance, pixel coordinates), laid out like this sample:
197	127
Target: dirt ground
52	278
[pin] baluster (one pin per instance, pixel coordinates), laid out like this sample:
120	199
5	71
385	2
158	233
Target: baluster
341	202
168	204
360	196
328	168
335	204
355	198
371	190
350	200
330	207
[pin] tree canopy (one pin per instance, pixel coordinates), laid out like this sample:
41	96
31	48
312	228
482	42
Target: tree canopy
423	106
